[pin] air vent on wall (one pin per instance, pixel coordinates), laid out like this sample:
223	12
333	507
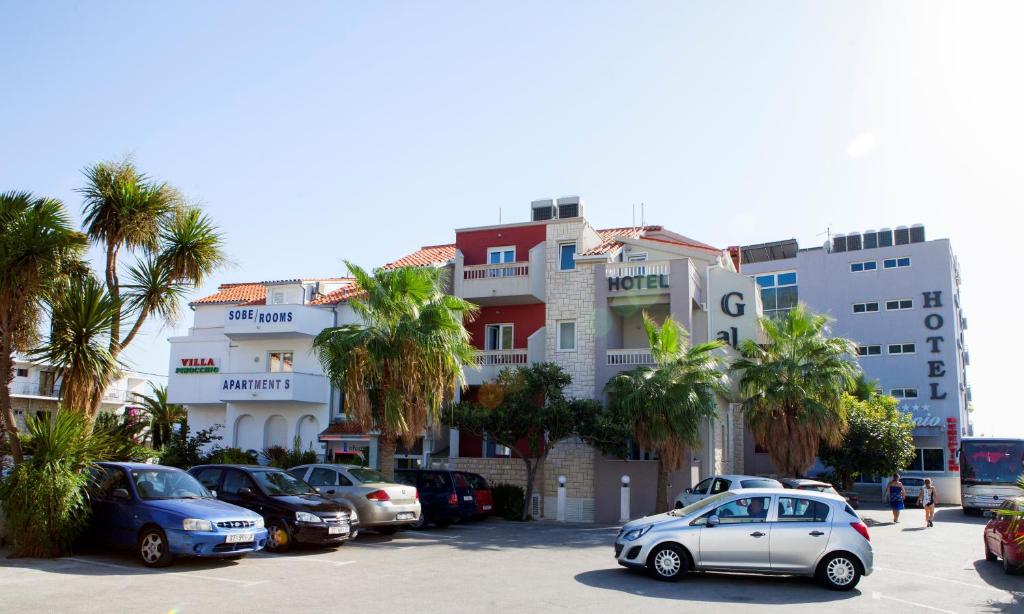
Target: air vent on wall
542	210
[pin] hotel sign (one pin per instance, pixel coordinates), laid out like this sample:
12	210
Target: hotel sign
197	365
637	282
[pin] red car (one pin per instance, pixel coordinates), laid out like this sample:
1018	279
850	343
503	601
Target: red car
1002	534
482	494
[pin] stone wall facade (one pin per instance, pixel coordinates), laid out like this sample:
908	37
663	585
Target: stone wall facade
575	460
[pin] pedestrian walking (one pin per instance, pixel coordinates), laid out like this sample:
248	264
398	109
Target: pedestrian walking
927	500
897	496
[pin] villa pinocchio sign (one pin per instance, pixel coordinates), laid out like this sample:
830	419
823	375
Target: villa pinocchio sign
197	365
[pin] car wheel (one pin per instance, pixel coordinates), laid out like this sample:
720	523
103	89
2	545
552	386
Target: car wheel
278	539
668	563
153	548
420	524
1008	568
387	530
839	572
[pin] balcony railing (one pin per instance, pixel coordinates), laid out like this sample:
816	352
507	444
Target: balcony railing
630	357
633	269
508	269
501	357
33	389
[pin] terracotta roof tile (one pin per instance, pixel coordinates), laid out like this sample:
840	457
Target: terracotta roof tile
239	294
428	255
609	236
342	294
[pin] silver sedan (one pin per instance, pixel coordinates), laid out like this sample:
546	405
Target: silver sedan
770	530
380	503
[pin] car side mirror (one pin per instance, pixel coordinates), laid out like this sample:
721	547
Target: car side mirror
316	488
214	493
713	521
245	492
121	493
687	491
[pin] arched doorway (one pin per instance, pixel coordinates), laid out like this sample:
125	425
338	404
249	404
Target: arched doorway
247	434
308	429
275	432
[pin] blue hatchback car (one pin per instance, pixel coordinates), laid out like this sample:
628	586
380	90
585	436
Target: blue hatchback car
163	512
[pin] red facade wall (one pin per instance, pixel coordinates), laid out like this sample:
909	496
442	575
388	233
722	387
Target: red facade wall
526	318
474	243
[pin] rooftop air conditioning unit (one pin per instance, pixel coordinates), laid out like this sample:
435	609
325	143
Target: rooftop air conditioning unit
839	243
902	235
917	233
543	210
870	239
885	237
853	241
569	206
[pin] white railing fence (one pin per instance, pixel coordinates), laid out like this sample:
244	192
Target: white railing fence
501	357
483	271
632	269
630	357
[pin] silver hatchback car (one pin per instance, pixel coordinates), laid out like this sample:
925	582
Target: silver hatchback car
764	530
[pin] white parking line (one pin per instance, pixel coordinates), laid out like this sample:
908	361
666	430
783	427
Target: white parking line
984	587
324	561
880	596
184	575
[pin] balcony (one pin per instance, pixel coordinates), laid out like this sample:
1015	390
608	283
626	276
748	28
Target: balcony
35	389
629	358
507	283
490	362
275	321
281	387
633	284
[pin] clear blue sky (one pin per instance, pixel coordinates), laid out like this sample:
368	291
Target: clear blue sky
319	131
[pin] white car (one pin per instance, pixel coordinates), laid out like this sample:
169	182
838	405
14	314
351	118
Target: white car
722	483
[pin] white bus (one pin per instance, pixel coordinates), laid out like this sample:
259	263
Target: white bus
989	472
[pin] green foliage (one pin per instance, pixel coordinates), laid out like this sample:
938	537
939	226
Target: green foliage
44	497
185	450
233	456
879	440
793	385
509	500
283	458
124	435
162	415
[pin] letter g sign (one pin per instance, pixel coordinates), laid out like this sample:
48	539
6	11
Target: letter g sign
733	308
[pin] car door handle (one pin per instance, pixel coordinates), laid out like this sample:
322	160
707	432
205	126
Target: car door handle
815	533
757	534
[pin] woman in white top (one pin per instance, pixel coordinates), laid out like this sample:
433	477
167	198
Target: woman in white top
927	500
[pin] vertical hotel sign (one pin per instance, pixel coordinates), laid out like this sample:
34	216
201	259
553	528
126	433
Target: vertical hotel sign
953	442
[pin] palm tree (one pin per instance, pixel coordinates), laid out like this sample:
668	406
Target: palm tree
404	359
665	404
80	322
863	388
792	387
38	247
177	245
162	415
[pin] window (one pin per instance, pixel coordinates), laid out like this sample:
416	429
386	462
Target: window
869	350
741	511
899	304
927	459
501	255
795	509
567	336
637	257
902	348
720	485
702	487
210	478
107	481
779	292
567	256
903	393
867	265
871	307
322	476
896	263
277	298
498	337
280	362
21	372
235	481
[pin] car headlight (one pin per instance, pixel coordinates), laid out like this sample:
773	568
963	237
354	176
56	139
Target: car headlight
307	517
635	534
259	523
195	524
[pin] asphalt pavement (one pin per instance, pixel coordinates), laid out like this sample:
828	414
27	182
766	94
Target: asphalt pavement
498	566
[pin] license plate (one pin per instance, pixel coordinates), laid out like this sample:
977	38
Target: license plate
337	530
467	497
406	516
487	508
240	538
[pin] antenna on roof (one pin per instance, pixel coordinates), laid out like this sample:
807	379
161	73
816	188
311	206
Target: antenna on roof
642	222
499	216
634	215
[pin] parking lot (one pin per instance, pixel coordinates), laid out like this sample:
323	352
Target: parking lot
499	566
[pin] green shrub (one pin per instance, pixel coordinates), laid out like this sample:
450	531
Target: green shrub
184	450
283	458
124	433
508	500
233	456
44	495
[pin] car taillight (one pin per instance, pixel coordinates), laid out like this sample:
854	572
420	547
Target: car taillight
378	495
453	499
416	493
862	529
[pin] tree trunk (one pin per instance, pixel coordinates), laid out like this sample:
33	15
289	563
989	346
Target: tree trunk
386	456
114	288
6	410
661	505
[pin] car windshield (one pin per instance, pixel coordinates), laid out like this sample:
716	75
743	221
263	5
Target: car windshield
699	505
167	484
368	475
281	484
991	462
760	483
